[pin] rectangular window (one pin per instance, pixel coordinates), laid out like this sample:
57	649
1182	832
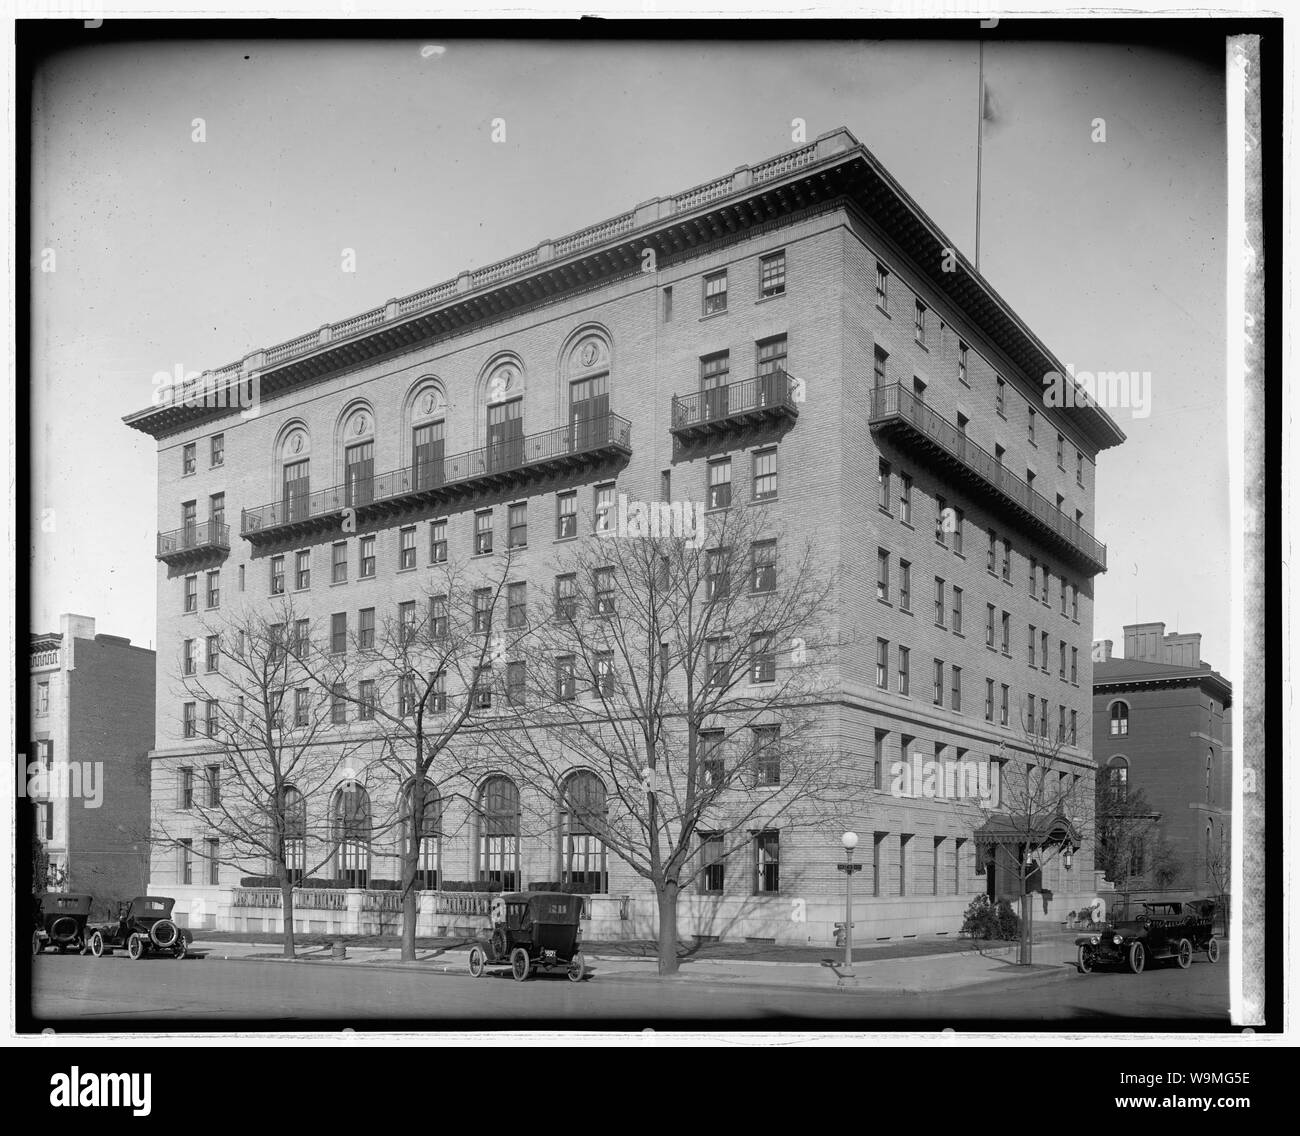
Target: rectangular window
406	548
1062	661
1006	633
1001	398
517	605
1042	657
187	658
988	700
771	274
762	563
1060	451
189	719
878	760
1006	560
603	509
920	323
301	706
958	519
713	875
517	526
720	483
882	664
1006	705
939	601
214	860
438	693
566	597
991	561
1078	468
882	480
1042	717
762	658
338	633
483	532
302	570
904	585
717	662
218	450
214	590
604	684
766	755
1032	724
367	559
211	715
515	681
1047	586
1033	418
904	671
713	767
882	287
217	510
938	682
439	617
1074	602
881	367
956	610
767	866
366	624
482	610
406	699
187	459
668	304
565	683
771	362
764	475
406	622
941	522
603	586
1074	724
339	563
438	542
904	498
1033	577
1033	640
904	861
963	354
1074	666
1060	724
989	625
185	867
717	580
213	652
213	785
566	514
715	293
882	575
185	794
956	689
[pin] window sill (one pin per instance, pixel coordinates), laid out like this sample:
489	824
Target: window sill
885	511
516	547
921	345
958	634
764	500
712	315
774	296
337	583
884	312
906	611
412	568
883	602
480	555
565	539
959	554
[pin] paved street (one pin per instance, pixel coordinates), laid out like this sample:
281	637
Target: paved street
102	991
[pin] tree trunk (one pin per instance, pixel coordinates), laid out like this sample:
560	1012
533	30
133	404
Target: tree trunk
410	897
286	910
667	896
1026	936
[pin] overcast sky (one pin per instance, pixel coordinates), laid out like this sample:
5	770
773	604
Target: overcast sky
174	252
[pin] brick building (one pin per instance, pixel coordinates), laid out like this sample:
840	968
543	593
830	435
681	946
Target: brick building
843	365
1162	723
92	729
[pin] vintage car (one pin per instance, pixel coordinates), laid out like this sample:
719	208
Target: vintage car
532	929
1164	930
144	926
60	922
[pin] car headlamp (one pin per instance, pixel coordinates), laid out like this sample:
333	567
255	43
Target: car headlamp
1117	940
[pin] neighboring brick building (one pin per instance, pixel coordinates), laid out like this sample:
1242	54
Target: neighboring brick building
92	729
1162	724
913	390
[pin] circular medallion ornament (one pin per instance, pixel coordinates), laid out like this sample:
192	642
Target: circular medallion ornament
360	427
588	354
296	444
430	402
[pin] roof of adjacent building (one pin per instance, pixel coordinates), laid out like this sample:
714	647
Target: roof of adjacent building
835	168
1134	674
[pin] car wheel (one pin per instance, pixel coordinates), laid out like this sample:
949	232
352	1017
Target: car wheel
519	965
96	944
577	968
37	945
1137	958
477	962
135	947
1087	960
1212	950
1184	953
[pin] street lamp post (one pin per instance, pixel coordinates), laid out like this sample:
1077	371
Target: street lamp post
850	842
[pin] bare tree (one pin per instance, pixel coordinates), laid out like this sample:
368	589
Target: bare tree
682	668
248	693
418	676
1036	814
1124	823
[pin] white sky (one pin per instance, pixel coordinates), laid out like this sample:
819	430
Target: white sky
171	252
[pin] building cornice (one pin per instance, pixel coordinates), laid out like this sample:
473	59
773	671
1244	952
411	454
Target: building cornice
835	166
1210	681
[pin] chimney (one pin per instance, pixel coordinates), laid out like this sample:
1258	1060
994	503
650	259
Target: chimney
1144	642
1101	650
1183	650
75	627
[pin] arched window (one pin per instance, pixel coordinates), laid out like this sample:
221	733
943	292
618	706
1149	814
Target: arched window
498	860
1209	777
505	416
352	834
293	847
295	473
1119	719
1209	846
584	817
426	868
1117	780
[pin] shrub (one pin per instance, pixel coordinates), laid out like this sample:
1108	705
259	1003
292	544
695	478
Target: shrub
260	882
1008	921
980	920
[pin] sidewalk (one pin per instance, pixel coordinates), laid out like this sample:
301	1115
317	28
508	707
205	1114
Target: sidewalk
949	969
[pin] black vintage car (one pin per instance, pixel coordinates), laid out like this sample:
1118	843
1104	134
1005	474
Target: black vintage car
532	929
1165	930
144	926
60	922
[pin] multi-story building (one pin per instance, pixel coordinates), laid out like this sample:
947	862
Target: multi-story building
87	777
906	435
1162	724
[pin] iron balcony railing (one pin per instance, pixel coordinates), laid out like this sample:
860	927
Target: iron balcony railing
894	405
749	400
507	460
207	536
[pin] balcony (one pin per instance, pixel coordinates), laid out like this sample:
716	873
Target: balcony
194	542
898	413
749	402
587	442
